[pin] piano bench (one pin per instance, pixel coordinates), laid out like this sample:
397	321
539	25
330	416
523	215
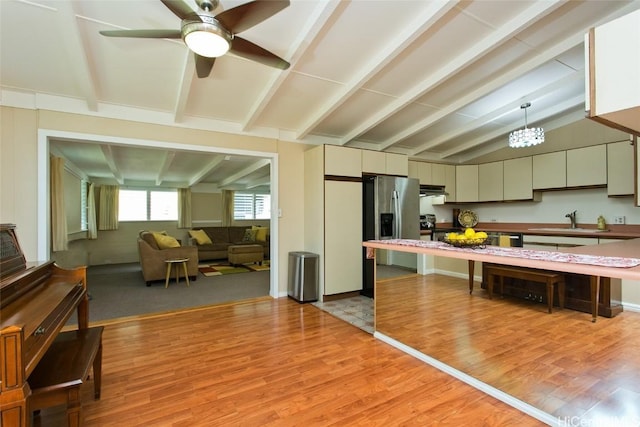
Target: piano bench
549	278
56	380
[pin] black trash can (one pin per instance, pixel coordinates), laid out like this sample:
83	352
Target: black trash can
303	276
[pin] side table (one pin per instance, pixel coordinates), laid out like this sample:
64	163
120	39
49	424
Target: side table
170	263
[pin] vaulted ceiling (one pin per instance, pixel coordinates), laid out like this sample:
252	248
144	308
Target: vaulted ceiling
441	81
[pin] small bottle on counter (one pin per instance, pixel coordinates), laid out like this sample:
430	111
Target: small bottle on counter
602	225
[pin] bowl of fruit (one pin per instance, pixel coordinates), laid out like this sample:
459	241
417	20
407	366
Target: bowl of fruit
468	239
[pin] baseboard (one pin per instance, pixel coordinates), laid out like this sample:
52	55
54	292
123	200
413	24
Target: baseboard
627	306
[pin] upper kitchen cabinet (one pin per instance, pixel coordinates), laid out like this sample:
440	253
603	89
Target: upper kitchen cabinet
450	182
491	182
466	183
620	169
342	161
518	179
422	171
378	162
550	170
613	73
587	166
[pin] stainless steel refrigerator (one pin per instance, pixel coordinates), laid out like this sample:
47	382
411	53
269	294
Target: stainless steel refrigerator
391	210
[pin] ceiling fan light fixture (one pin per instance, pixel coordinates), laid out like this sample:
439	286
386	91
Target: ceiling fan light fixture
527	137
206	39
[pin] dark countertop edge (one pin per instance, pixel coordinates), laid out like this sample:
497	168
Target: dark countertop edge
615	231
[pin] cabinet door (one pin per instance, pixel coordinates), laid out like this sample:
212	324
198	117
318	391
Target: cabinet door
374	161
620	169
550	170
342	161
612	53
450	182
397	164
438	175
414	170
467	183
343	237
518	179
490	182
587	166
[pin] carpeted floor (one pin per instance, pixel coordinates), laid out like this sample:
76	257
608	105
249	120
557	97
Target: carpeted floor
118	290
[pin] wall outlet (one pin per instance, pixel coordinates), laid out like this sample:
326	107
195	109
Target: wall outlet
618	219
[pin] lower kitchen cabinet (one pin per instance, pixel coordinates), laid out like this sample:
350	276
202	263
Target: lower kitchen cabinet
577	293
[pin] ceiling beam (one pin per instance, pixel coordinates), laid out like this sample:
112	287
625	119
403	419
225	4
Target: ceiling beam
314	25
107	152
209	167
260	182
494	115
244	172
556	109
166	164
564	120
495	39
82	69
434	11
184	86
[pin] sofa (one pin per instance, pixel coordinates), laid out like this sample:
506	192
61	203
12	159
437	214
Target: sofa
152	258
223	237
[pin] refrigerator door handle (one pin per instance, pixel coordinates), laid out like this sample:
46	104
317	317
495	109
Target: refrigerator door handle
397	214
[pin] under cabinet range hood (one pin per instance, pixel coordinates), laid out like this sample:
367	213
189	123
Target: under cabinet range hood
432	190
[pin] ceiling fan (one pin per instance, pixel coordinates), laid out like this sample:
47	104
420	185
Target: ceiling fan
210	36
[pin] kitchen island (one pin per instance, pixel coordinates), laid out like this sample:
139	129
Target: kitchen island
610	260
551	366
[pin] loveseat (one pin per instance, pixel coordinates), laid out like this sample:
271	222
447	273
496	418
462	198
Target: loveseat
223	237
152	258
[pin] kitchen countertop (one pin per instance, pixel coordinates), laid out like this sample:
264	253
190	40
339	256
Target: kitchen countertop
542	229
617	249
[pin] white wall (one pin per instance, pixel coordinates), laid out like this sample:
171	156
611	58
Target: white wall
589	204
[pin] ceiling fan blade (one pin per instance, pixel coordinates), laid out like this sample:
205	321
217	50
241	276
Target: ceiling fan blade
203	65
252	51
180	9
148	34
245	16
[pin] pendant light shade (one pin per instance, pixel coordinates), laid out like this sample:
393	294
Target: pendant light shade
526	137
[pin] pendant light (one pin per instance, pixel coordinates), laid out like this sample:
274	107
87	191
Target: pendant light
526	137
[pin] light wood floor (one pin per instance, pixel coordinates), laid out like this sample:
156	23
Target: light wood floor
273	362
561	363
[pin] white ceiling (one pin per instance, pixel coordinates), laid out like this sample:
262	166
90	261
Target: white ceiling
441	81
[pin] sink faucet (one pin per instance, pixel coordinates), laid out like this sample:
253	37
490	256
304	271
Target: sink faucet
572	217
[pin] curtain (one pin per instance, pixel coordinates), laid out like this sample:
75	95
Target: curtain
108	214
59	238
92	227
184	208
227	208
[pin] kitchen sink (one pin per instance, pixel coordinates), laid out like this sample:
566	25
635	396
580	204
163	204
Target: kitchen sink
569	230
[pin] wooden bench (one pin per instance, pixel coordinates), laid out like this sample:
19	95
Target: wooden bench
550	278
57	378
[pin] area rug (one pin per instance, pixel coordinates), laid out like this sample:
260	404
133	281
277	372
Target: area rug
219	269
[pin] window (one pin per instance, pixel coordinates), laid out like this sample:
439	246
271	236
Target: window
148	205
84	207
248	205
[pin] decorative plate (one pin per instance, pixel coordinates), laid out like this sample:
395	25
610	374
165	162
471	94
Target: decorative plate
467	218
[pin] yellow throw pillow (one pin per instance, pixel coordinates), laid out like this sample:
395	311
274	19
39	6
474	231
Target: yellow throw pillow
261	233
165	242
201	236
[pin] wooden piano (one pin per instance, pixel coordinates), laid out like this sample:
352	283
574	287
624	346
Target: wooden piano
36	300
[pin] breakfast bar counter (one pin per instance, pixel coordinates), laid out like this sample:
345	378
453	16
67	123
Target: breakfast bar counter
552	366
607	260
